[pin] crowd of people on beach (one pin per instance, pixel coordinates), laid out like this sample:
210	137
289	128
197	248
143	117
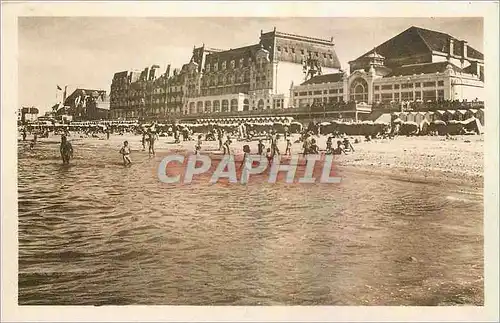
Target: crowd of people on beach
224	137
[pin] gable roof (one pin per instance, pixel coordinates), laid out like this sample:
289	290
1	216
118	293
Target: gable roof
325	78
415	40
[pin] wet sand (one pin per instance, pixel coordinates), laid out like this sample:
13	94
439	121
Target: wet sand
431	158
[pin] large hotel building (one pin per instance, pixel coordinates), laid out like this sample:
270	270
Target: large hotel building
285	71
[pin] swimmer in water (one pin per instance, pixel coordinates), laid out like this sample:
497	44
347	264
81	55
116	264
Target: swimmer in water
125	151
66	150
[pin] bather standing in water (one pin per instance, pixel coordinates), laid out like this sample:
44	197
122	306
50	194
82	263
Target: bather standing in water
66	150
152	139
125	151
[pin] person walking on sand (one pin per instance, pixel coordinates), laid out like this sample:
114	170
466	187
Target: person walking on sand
260	147
288	147
246	152
66	150
152	138
219	138
226	146
143	140
125	151
198	145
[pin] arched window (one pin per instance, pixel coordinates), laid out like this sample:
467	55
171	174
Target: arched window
208	106
191	108
199	107
246	77
246	105
225	106
234	105
260	105
359	90
216	106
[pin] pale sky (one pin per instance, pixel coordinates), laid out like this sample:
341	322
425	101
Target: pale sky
87	51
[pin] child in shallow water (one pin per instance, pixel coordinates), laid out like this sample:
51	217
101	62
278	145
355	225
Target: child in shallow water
125	151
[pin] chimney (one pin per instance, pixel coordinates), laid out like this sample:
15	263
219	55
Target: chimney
464	49
451	46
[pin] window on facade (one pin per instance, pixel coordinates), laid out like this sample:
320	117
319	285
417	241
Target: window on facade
406	96
386	97
279	48
407	86
359	90
310	93
387	87
417	84
293	50
440	83
317	92
429	96
296	94
418	95
302	51
303	93
333	91
396	86
377	97
396	97
440	94
331	56
341	90
286	49
429	84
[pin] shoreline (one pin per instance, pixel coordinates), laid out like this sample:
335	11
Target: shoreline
427	158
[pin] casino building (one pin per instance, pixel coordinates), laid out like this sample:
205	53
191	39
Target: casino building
418	65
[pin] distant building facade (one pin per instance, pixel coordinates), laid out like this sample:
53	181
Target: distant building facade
136	94
416	65
256	77
84	104
27	114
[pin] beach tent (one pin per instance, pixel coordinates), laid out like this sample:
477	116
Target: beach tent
473	125
419	117
480	116
409	128
430	116
454	127
383	119
295	127
424	127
